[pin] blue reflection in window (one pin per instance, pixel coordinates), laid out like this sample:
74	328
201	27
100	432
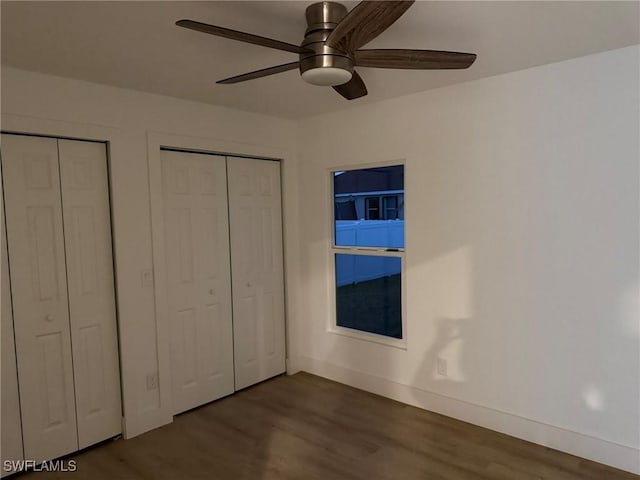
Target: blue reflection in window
369	207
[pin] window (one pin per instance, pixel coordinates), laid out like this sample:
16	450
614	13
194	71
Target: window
372	205
372	208
390	207
368	250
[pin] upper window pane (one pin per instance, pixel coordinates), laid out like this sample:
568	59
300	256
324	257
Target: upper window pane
369	207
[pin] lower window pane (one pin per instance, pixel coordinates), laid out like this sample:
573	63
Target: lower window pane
368	294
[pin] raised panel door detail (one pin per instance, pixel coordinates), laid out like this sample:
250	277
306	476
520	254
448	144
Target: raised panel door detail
196	251
187	375
266	234
210	225
83	174
264	184
44	262
208	182
212	340
185	243
37	170
91	352
257	270
39	295
244	222
243	184
86	254
180	181
270	328
91	290
54	401
246	329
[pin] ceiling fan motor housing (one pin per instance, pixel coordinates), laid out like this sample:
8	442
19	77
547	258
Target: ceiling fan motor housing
324	65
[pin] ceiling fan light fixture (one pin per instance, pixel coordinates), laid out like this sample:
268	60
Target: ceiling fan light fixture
326	76
326	69
332	43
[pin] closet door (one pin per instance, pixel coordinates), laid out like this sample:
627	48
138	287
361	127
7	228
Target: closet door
39	291
198	277
11	443
255	215
87	231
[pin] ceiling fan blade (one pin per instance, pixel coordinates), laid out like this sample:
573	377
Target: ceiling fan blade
414	59
240	36
260	73
354	88
365	22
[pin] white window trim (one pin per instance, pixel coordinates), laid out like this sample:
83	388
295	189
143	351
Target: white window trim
332	326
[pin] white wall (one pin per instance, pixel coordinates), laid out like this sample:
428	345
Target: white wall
522	217
522	240
132	121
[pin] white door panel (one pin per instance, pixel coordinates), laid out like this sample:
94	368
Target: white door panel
198	277
11	442
255	215
39	291
85	207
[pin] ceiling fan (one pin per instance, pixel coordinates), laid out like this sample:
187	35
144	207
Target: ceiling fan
331	46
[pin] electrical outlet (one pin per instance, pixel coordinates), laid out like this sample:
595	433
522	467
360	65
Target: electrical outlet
152	381
441	366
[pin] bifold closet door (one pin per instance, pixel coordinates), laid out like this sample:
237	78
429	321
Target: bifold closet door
255	216
198	277
39	291
11	442
89	260
61	272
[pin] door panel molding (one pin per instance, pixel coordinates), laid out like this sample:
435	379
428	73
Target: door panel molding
157	142
255	222
39	294
91	289
198	277
61	259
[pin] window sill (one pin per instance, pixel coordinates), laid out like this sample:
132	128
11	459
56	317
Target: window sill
369	337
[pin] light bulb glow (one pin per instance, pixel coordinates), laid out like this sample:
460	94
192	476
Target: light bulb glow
326	76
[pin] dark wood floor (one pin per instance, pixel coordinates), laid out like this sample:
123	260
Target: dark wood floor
305	427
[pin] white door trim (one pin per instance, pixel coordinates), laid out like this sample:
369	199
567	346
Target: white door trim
155	142
60	219
134	420
138	417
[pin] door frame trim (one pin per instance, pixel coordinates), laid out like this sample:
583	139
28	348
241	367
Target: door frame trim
115	139
24	126
138	415
157	141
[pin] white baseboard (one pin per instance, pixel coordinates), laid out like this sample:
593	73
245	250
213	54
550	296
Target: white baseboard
293	366
602	451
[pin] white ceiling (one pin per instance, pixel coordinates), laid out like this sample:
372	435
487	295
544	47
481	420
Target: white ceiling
136	45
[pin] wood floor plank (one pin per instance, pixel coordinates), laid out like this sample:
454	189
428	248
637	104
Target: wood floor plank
306	427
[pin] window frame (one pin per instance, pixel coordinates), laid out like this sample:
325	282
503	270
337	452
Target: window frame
332	321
